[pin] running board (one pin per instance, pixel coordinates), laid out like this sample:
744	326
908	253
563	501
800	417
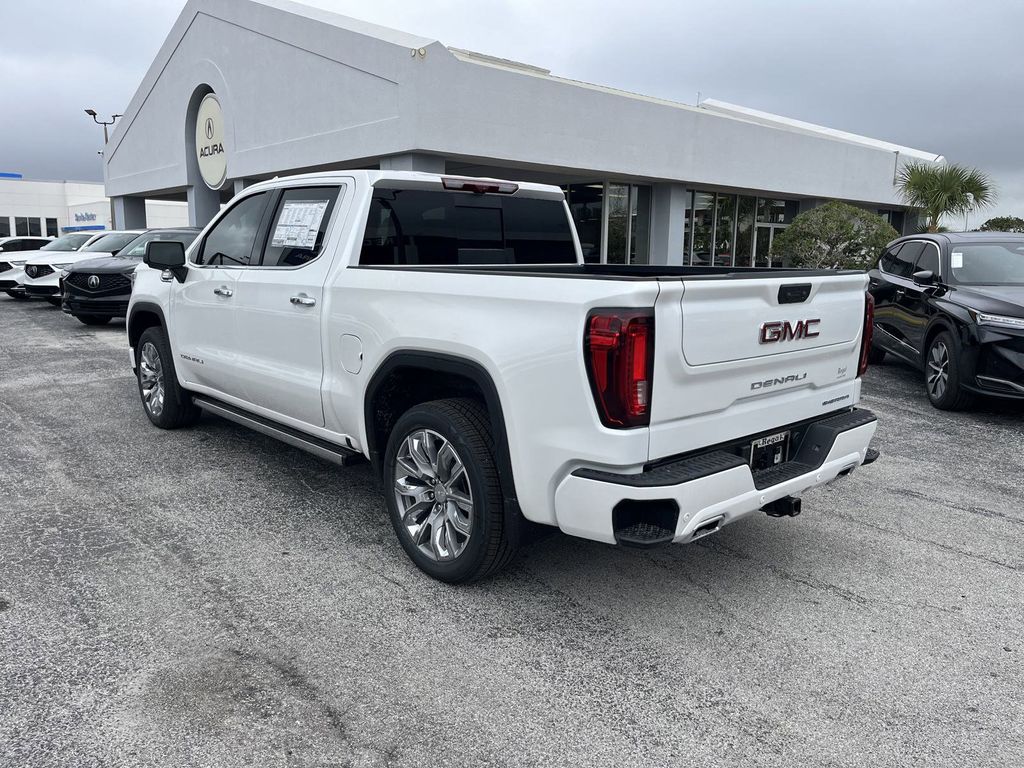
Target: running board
321	448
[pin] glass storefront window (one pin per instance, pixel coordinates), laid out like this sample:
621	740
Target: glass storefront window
585	206
725	223
703	227
618	223
744	231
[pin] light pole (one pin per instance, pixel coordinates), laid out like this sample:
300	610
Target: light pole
113	118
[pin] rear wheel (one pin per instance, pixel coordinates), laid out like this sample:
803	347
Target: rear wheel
166	404
942	374
443	491
94	319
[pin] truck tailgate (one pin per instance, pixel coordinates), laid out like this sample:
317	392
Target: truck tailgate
736	357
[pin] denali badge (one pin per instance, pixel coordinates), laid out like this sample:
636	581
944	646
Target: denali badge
785	331
94	281
793	377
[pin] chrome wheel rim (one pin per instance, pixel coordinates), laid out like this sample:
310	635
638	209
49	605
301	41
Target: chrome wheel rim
151	379
938	370
434	497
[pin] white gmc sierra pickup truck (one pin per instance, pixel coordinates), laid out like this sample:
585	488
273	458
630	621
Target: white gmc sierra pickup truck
448	330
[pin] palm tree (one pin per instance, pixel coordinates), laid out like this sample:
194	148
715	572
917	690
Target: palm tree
940	190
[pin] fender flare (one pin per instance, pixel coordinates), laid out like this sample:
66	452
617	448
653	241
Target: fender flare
453	364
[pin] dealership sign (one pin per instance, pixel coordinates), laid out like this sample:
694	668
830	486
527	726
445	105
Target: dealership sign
213	162
80	217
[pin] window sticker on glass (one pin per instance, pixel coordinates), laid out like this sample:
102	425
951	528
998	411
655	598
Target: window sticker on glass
956	260
298	223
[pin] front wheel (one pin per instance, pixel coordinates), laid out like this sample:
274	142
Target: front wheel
443	491
94	319
166	404
876	355
942	374
20	296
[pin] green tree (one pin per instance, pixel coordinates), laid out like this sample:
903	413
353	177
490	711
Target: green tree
1003	224
834	235
944	190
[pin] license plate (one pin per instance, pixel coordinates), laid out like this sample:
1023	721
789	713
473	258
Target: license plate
768	451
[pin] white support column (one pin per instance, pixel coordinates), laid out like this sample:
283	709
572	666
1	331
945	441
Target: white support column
203	204
129	212
413	161
668	223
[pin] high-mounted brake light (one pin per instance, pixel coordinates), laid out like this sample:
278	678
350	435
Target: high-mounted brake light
869	329
619	351
479	186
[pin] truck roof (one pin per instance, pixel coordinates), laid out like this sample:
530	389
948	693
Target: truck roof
410	178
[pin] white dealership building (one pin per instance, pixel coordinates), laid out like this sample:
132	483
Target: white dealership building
244	90
51	208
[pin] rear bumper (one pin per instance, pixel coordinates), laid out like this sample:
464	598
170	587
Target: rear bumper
671	501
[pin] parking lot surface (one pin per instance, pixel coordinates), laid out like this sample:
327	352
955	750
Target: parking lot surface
211	597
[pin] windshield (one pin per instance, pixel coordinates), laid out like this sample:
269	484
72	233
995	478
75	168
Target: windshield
70	242
987	263
111	243
136	249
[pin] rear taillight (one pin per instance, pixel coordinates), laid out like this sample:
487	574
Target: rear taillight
869	328
619	350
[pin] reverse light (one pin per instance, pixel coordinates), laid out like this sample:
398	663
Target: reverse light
619	352
479	186
999	321
869	329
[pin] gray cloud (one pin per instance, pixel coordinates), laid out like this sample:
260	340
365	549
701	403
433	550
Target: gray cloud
937	75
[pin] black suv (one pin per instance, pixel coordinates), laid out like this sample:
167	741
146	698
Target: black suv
952	304
97	290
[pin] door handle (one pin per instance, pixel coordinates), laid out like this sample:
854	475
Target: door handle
302	300
223	291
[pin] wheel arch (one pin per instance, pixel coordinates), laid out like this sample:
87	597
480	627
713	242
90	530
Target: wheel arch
406	378
143	315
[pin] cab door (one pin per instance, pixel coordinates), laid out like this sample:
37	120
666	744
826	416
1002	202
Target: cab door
279	306
203	325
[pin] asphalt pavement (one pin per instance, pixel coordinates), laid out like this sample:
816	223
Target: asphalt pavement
210	597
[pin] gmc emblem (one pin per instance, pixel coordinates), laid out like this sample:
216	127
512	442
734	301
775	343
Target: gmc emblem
778	330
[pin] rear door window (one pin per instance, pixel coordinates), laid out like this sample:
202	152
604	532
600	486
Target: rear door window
230	242
299	227
434	228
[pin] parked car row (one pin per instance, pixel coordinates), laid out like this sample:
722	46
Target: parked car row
89	275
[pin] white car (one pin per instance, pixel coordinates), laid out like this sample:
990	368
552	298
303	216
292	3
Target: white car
448	330
12	264
43	269
17	243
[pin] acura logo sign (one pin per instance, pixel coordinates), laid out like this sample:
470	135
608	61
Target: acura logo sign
209	128
778	330
94	281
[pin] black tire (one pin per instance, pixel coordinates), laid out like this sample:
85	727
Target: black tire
493	539
945	394
53	301
95	319
876	355
176	408
17	295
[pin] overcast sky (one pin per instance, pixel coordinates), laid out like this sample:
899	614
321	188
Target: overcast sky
938	75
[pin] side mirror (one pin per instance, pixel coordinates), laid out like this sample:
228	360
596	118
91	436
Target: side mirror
924	277
166	255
